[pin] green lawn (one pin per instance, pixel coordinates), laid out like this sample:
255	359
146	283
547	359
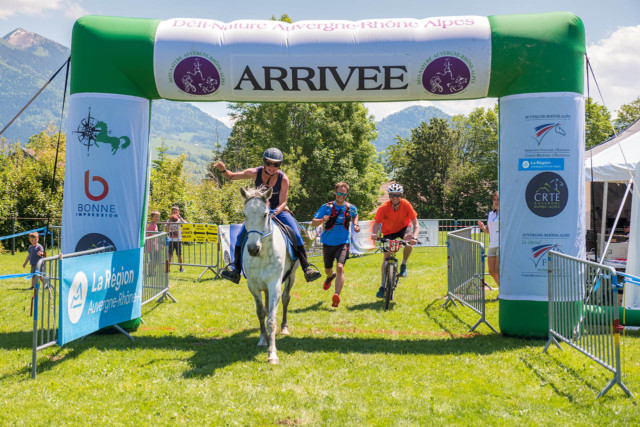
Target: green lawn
196	362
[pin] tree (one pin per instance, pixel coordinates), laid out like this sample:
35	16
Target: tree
598	126
423	164
27	188
322	144
168	186
627	114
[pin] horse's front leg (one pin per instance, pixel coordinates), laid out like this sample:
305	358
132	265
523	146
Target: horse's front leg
272	322
262	313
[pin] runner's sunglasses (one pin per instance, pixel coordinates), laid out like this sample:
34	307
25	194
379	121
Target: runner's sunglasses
341	194
274	164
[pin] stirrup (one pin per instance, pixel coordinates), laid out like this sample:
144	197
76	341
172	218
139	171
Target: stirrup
312	273
232	275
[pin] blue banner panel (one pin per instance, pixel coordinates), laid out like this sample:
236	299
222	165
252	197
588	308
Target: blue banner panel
98	291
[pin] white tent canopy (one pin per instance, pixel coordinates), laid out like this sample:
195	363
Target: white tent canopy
618	160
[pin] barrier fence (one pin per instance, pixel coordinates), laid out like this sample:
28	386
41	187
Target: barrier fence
198	244
155	283
45	302
465	273
583	312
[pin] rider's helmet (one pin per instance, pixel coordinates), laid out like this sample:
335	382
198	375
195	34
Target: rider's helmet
273	154
395	188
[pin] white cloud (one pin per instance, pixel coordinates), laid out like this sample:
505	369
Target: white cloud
616	64
27	7
73	10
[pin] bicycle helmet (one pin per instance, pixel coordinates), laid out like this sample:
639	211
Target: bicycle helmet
395	188
273	154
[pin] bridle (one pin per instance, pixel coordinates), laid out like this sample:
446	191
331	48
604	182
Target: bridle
269	230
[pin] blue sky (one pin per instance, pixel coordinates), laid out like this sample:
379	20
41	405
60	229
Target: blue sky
612	29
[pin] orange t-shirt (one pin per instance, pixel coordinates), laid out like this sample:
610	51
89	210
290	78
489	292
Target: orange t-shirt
394	221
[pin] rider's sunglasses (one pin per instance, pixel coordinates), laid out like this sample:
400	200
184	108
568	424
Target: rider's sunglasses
341	194
274	164
393	195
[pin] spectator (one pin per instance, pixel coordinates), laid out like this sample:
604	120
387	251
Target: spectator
35	254
175	235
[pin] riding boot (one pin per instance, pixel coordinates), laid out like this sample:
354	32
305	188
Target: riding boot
309	273
234	274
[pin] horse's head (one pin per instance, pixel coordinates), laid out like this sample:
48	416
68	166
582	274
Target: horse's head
256	217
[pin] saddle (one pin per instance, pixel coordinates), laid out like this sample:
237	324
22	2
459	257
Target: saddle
289	237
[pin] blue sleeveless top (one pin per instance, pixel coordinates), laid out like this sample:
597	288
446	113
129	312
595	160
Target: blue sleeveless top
274	201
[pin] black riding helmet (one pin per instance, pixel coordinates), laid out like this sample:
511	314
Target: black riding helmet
273	155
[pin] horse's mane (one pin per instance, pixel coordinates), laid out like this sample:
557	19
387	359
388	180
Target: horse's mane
256	192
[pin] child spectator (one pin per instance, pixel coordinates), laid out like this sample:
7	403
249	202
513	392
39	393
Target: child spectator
35	253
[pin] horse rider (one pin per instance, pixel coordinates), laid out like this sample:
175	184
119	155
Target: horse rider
269	175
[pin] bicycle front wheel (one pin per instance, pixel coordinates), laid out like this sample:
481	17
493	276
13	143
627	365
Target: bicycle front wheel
390	274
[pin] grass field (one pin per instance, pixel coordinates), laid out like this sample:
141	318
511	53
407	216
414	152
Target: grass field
197	362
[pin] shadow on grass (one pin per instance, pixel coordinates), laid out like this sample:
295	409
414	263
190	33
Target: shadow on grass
217	352
376	305
319	306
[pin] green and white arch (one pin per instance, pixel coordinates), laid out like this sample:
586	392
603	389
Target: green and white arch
532	63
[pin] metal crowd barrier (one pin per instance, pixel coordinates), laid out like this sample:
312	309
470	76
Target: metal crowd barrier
465	273
446	226
200	246
155	282
583	312
45	302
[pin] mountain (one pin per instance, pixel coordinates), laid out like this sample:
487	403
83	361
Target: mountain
28	60
402	122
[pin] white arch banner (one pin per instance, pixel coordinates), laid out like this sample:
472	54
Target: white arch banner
377	59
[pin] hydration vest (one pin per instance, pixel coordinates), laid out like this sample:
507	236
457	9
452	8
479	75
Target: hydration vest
334	216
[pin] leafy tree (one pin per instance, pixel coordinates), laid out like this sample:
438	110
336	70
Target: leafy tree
598	126
168	185
627	114
322	144
27	188
423	164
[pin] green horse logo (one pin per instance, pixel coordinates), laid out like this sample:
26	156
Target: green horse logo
91	132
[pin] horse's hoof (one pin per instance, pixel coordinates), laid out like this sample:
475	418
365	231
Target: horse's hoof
285	331
262	343
274	361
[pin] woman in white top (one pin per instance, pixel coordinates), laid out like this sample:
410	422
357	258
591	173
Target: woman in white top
492	228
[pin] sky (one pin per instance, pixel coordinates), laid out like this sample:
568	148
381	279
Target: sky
612	30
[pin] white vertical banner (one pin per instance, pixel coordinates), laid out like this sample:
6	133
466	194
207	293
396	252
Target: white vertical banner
541	188
106	172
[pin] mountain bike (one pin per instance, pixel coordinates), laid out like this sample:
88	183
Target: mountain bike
390	267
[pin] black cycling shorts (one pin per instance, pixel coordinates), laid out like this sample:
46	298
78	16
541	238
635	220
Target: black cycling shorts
340	253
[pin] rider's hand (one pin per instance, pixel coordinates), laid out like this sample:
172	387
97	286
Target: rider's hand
220	166
356	228
374	237
413	242
325	219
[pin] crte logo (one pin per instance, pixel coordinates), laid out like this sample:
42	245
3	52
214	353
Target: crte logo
99	179
196	75
446	75
77	296
546	194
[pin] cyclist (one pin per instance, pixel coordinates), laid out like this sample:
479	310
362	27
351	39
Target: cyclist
336	217
269	175
395	216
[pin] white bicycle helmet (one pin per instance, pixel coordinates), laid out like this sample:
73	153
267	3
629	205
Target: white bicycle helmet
395	188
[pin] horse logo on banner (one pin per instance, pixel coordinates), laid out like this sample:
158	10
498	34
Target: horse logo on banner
543	130
92	131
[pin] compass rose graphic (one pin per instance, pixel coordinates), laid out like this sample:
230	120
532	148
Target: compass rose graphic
87	131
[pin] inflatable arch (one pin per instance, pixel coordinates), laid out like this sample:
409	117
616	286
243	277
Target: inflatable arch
532	63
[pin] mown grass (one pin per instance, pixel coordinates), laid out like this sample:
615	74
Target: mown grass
197	362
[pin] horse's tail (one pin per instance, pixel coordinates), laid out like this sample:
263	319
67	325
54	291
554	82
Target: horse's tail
126	140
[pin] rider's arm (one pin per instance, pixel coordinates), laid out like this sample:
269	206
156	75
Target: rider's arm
315	222
415	228
232	176
374	231
284	195
356	224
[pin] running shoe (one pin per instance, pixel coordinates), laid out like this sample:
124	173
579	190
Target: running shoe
403	270
380	293
335	301
327	281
